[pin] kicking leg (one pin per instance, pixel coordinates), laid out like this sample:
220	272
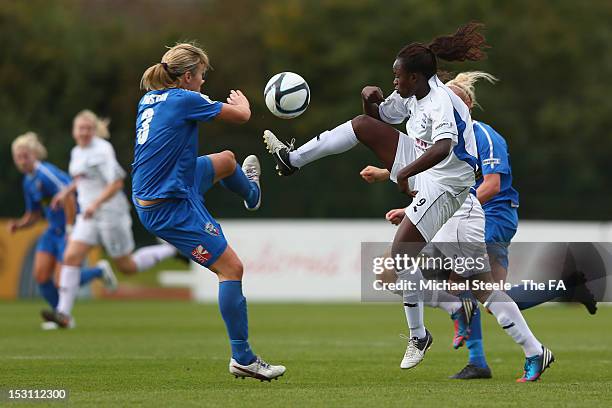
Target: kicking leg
378	136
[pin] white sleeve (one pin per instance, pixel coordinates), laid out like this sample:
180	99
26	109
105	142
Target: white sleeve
109	166
443	125
393	110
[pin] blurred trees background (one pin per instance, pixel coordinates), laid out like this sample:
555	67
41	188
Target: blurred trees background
552	103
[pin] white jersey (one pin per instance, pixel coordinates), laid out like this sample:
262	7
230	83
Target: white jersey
439	115
94	167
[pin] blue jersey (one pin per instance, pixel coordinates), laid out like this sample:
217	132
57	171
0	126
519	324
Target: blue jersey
167	142
40	187
493	158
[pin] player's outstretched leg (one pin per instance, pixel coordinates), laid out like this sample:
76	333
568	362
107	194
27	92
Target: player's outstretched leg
233	307
378	136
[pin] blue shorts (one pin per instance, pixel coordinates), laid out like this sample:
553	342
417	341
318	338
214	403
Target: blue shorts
52	241
185	222
501	222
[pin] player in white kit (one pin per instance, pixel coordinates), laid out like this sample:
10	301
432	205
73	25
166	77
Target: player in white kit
435	164
463	235
105	214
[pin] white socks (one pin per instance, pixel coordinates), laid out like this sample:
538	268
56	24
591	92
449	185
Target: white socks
338	140
443	300
70	277
511	320
147	257
413	302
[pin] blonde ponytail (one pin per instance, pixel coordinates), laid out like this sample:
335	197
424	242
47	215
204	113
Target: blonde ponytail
101	124
176	61
31	142
466	80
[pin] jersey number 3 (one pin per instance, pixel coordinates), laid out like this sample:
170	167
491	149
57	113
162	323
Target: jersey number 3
143	131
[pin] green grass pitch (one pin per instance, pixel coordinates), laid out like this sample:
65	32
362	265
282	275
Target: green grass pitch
176	354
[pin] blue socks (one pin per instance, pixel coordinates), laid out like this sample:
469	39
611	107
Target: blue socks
474	343
49	292
528	298
241	185
233	307
88	274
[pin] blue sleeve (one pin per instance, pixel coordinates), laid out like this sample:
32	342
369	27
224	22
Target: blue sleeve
200	107
31	205
492	150
53	179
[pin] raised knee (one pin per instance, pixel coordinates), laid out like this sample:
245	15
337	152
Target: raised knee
235	270
360	123
41	276
229	158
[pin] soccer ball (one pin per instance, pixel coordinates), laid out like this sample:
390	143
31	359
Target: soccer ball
287	95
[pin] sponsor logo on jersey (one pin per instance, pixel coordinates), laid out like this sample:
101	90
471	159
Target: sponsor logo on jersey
211	229
421	144
443	124
200	254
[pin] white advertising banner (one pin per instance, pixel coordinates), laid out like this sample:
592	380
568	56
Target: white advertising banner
319	260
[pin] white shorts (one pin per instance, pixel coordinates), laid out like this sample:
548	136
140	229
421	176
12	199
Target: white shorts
463	236
434	204
115	234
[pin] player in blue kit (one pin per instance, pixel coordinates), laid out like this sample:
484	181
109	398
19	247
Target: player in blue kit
41	182
169	179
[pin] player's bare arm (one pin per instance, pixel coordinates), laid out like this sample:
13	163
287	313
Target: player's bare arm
434	155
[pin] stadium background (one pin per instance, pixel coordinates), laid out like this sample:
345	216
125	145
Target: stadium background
552	103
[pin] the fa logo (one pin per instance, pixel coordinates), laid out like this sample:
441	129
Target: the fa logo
201	255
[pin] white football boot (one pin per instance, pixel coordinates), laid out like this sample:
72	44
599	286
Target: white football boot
280	153
415	352
258	369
